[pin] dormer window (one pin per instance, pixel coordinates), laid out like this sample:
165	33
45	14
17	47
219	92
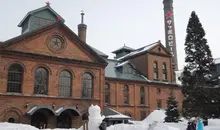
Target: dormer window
128	69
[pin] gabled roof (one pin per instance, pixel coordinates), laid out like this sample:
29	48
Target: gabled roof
47	27
123	48
140	50
111	113
37	10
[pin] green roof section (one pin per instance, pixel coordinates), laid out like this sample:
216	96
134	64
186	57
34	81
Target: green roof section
39	10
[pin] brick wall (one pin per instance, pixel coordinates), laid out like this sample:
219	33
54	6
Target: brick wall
134	107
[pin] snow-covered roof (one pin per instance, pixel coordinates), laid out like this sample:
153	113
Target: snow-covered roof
118	116
217	61
123	48
140	50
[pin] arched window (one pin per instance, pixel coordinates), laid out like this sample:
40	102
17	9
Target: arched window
87	85
15	77
65	84
142	95
107	93
41	81
126	94
158	91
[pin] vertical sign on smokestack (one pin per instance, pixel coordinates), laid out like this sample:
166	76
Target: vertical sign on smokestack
170	31
82	29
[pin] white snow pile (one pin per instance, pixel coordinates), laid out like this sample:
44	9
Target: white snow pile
156	115
11	126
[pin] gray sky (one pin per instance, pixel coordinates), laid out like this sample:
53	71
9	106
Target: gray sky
111	23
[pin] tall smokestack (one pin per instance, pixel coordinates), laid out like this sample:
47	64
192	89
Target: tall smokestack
82	28
170	31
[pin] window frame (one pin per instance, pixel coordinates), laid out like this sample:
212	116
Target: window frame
107	94
46	84
156	71
86	88
64	87
142	96
164	69
126	94
15	82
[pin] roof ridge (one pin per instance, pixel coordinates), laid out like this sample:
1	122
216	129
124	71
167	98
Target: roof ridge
139	50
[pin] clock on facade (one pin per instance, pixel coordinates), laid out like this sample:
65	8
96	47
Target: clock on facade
56	43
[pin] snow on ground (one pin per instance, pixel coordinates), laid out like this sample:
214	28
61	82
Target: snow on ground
10	126
153	122
13	126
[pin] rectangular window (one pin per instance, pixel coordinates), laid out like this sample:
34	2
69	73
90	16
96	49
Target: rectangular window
107	93
164	76
155	74
142	96
155	65
126	94
155	70
159	103
164	68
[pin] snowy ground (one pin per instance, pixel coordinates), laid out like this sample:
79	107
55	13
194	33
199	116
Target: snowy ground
155	119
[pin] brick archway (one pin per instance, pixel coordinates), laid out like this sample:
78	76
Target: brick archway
12	115
40	117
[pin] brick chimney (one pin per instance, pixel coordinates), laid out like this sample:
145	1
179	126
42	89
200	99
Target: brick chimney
82	29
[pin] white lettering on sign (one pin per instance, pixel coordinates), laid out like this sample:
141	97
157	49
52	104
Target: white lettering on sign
170	32
170	27
171	49
170	43
169	22
170	37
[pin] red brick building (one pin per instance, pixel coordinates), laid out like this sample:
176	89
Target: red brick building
49	76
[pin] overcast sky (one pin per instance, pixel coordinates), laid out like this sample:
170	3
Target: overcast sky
113	23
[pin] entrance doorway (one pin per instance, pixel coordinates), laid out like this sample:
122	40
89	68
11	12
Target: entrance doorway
39	120
64	120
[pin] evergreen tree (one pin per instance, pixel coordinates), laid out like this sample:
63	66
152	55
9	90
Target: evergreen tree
172	112
197	72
